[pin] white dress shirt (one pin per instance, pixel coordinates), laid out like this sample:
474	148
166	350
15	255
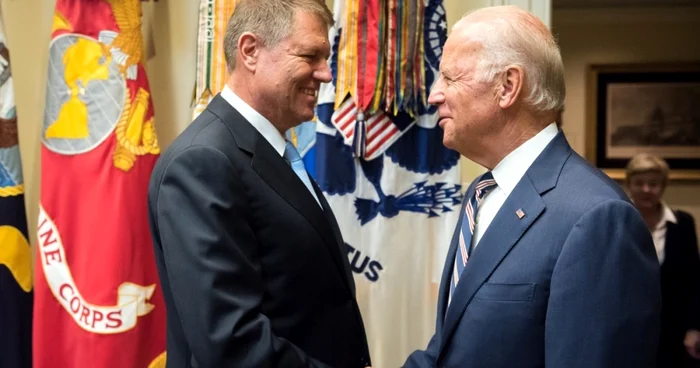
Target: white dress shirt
659	232
259	122
507	174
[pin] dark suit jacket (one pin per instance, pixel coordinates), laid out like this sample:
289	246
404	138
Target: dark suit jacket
253	272
572	284
680	289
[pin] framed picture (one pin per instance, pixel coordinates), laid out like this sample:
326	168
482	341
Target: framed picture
653	108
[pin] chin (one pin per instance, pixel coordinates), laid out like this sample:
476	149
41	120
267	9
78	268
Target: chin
646	205
306	115
306	118
447	142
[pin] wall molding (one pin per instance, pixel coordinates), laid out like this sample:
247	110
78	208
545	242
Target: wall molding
541	8
626	15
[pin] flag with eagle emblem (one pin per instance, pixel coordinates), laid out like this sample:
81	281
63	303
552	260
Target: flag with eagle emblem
378	156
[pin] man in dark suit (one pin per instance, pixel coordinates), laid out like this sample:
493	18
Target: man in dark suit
253	266
550	264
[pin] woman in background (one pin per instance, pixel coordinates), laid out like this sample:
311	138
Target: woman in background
677	250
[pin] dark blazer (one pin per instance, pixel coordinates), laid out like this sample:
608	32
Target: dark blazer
572	284
680	289
254	272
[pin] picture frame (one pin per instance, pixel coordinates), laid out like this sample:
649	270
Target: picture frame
653	108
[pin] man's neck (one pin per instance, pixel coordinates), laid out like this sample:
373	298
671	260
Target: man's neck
514	133
240	85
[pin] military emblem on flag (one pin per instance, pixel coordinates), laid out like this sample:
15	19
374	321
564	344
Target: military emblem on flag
379	158
97	291
382	135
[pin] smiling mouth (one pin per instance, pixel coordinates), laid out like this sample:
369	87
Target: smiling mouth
310	92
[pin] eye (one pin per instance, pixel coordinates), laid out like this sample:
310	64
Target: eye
446	77
308	55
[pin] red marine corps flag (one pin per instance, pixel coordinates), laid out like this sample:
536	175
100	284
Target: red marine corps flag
98	301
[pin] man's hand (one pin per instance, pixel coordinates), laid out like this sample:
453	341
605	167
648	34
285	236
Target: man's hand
692	343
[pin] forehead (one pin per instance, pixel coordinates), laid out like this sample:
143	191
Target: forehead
308	30
460	50
650	175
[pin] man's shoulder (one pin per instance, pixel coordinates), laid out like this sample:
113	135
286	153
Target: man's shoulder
579	175
581	187
684	218
206	133
208	130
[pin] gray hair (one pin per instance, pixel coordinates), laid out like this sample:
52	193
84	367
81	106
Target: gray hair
517	37
270	20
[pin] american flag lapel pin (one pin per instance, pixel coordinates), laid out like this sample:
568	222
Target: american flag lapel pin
520	213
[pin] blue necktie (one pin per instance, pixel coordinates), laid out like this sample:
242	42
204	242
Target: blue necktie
485	185
292	156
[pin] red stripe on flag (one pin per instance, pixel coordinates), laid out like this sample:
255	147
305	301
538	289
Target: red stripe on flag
393	131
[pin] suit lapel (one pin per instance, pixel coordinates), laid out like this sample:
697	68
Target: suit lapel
500	237
275	171
672	238
448	268
504	231
342	249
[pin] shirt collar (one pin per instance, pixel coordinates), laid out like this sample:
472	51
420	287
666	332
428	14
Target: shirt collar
259	122
667	214
511	169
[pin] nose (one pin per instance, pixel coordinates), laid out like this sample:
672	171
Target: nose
436	96
323	73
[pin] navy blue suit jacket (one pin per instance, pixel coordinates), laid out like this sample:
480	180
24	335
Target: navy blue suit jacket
573	283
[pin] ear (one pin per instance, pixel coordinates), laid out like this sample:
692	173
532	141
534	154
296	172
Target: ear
510	84
248	51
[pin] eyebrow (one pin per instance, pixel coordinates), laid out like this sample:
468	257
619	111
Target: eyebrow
305	50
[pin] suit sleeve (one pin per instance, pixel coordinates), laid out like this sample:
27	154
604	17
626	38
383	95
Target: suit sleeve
424	358
605	299
212	261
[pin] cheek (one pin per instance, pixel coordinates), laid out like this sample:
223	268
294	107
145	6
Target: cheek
636	195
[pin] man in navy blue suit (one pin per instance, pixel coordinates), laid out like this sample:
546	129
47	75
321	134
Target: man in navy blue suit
550	264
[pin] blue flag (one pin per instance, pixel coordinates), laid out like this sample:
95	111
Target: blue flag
15	253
